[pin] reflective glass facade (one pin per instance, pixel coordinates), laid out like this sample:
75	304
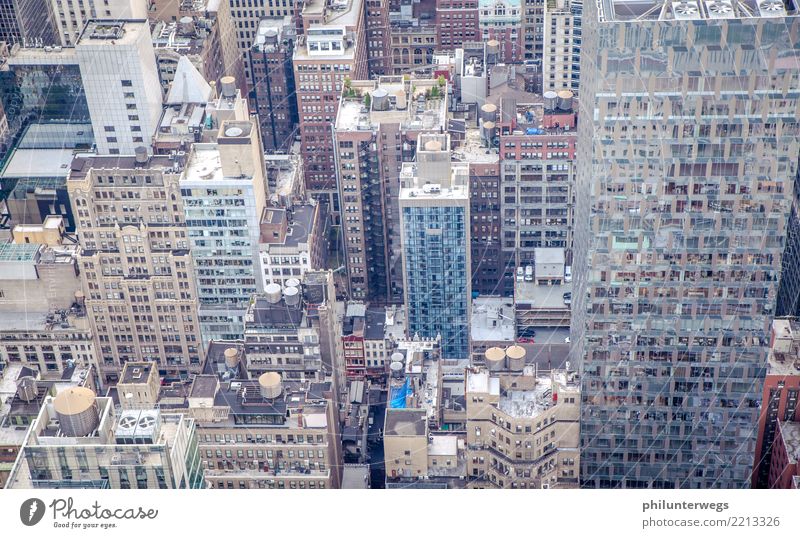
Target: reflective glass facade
435	244
688	146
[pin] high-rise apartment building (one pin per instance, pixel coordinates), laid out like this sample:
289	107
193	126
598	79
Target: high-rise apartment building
70	16
224	195
79	441
537	146
435	224
120	80
686	160
273	83
135	265
331	52
376	130
561	44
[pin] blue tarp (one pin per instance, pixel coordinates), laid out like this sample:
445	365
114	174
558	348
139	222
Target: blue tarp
398	396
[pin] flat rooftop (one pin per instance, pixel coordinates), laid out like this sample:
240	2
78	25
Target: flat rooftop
493	319
416	189
481	382
41	321
790	432
136	372
103	32
651	10
414	104
25	163
475	150
339	12
551	297
204	164
405	422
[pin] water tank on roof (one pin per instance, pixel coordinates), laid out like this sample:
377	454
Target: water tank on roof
433	145
488	130
140	153
186	26
397	369
550	101
270	385
516	358
228	85
231	357
489	112
76	408
291	295
273	293
495	359
565	100
380	99
292	282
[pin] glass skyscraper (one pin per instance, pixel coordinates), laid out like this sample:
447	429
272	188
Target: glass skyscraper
434	208
688	145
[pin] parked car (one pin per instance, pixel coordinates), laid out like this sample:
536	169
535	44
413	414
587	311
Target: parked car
568	273
529	273
520	274
568	298
566	340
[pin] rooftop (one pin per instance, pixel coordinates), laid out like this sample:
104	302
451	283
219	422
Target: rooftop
24	252
790	432
414	104
136	372
339	12
112	32
299	229
443	445
627	10
204	163
415	187
405	422
26	163
784	357
272	31
54	321
474	149
493	319
551	297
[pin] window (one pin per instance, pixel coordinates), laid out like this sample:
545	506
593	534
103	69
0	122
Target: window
127	83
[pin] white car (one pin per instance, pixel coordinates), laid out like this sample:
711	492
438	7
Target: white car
520	274
529	273
568	273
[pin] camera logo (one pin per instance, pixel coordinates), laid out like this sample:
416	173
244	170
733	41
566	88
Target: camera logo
31	512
